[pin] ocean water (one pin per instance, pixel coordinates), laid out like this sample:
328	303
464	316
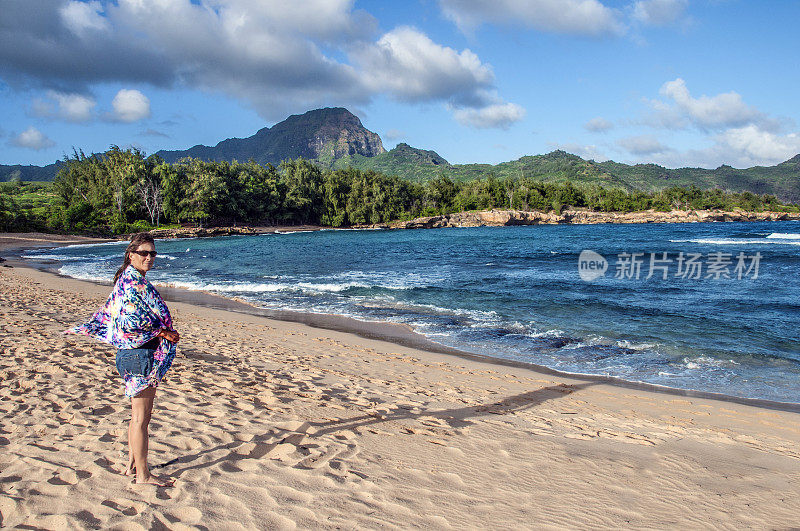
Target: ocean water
725	319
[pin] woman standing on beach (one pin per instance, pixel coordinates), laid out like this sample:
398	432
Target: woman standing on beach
136	320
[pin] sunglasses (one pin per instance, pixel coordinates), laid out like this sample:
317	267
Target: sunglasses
143	254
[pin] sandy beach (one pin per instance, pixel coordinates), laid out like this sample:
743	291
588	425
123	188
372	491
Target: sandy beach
267	424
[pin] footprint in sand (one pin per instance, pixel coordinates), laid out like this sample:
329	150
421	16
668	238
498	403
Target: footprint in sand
126	507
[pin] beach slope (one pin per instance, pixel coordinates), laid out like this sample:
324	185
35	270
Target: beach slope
271	424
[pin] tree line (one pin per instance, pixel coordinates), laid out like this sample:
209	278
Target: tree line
124	191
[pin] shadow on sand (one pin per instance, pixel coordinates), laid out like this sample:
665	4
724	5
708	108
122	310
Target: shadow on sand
264	444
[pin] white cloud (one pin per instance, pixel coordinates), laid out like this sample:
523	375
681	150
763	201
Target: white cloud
83	17
579	17
706	112
757	145
659	12
642	145
280	57
268	53
598	125
70	107
741	147
409	65
498	115
32	138
130	106
406	64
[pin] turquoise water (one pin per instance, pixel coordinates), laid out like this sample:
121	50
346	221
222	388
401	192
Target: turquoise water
516	293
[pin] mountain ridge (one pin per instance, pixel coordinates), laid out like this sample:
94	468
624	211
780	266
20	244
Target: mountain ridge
320	134
335	138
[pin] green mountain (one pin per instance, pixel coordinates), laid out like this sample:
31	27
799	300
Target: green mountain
335	138
29	173
322	134
782	180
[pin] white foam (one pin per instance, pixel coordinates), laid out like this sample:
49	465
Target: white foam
59	257
85	273
705	361
239	287
122	242
478	315
336	287
635	346
785	235
737	241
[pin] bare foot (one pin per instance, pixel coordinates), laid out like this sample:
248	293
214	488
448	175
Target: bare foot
130	470
153	480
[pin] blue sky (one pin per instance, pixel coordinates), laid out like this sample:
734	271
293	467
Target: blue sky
676	82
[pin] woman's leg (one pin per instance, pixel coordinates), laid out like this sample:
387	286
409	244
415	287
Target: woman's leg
142	409
131	468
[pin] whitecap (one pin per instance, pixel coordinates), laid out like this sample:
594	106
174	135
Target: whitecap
737	241
239	287
785	235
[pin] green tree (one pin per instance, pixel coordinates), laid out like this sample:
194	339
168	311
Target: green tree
303	202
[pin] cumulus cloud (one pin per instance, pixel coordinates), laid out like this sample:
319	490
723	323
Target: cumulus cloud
130	106
82	18
735	133
64	106
598	125
41	46
756	145
659	12
741	147
409	65
577	17
278	56
406	64
642	145
726	110
494	116
32	138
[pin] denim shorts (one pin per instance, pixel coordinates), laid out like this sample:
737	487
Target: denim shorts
137	361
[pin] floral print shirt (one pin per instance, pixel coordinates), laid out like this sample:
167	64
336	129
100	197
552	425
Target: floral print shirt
133	315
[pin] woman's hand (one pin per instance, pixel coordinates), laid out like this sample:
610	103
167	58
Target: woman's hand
170	335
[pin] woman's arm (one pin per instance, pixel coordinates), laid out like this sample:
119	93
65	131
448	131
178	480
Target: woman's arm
169	335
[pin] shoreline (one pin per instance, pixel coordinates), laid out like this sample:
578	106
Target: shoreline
579	216
481	218
400	334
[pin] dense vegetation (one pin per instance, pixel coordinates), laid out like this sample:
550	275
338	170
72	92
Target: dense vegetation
124	191
781	180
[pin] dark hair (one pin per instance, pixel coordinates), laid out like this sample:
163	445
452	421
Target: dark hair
136	241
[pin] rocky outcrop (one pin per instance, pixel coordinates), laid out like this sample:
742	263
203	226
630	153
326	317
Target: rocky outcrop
500	218
196	232
322	134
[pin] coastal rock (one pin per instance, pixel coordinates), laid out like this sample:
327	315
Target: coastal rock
198	232
500	218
